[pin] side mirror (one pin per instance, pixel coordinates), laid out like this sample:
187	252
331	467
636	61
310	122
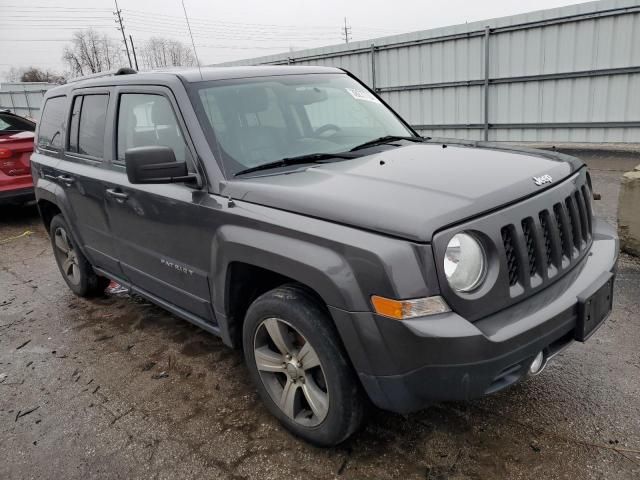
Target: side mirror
155	164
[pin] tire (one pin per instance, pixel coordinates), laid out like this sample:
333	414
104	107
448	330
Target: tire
313	391
76	270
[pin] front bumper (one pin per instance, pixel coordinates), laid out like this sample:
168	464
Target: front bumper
405	366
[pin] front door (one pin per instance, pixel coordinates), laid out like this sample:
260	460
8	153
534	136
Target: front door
163	245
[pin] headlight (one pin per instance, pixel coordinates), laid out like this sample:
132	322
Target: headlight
464	262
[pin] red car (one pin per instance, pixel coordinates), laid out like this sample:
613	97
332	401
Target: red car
16	146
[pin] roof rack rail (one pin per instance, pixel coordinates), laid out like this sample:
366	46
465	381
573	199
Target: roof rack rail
106	73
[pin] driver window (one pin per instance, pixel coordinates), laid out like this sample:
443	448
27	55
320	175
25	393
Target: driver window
148	120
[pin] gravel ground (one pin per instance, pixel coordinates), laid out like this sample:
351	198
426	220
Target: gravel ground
117	388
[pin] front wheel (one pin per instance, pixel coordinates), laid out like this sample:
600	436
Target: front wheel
299	367
74	267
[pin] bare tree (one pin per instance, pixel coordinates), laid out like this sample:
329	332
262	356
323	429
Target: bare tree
34	74
92	52
14	74
159	52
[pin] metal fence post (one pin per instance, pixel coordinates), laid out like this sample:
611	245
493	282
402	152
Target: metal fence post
373	67
13	104
487	32
26	99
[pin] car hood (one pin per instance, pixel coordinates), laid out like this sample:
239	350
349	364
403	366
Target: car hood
411	191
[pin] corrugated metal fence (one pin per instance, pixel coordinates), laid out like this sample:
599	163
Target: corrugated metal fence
23	98
569	74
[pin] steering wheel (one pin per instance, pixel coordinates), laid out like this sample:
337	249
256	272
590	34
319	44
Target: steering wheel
326	128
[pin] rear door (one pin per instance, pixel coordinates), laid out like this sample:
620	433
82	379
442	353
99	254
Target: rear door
81	173
163	244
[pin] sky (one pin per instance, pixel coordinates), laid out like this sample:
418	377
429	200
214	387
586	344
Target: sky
35	33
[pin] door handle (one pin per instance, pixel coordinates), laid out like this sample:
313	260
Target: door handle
117	194
66	179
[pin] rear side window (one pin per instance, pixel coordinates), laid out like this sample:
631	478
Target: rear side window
50	130
146	120
88	119
13	123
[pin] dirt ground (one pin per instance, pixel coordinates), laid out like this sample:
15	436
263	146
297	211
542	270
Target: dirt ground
118	388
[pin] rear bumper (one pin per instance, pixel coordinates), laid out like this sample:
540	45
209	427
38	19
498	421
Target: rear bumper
405	366
16	189
16	195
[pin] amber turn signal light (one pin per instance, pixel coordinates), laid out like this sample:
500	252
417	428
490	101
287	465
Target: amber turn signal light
405	309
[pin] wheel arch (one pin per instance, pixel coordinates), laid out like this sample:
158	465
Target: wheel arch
249	263
48	210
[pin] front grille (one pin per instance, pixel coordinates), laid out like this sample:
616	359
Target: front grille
544	224
510	252
562	229
551	241
530	243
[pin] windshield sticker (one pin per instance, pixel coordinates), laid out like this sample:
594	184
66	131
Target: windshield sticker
362	94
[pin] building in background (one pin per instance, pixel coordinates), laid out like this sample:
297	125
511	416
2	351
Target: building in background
23	98
569	74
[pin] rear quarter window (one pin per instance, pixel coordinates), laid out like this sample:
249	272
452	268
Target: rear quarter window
51	123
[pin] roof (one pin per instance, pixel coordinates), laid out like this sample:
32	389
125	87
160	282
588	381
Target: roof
221	73
189	75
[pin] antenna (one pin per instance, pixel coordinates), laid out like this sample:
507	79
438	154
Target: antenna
192	42
133	50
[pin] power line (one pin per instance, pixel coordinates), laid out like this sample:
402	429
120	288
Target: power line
146	16
203	45
219	23
65	24
221	36
36	40
209	26
54	27
59	17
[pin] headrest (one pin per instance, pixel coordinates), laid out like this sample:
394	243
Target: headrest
161	113
251	99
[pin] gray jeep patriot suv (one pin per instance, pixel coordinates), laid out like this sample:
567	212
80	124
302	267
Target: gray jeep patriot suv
292	212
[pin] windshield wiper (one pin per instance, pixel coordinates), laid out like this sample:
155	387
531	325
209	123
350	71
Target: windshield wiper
299	160
385	139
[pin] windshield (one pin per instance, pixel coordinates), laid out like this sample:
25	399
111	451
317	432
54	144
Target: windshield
255	121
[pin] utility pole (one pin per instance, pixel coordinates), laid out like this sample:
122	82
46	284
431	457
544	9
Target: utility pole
133	49
346	33
117	13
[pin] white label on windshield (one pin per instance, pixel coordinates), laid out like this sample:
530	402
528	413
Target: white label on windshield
362	94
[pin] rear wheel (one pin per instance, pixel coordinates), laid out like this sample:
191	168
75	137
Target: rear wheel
299	367
74	267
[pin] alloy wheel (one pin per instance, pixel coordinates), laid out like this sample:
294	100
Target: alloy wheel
291	371
67	256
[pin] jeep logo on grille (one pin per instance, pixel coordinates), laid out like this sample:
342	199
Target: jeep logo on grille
542	179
